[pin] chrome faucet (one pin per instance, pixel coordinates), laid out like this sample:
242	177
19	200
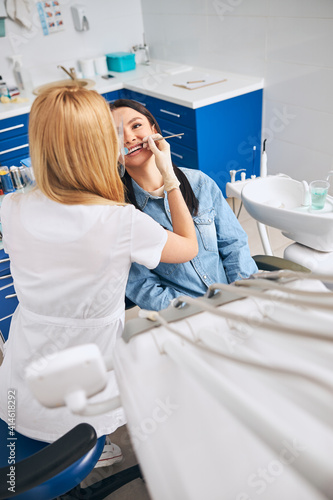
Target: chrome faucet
71	73
144	47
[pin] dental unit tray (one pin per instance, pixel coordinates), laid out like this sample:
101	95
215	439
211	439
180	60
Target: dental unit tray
220	294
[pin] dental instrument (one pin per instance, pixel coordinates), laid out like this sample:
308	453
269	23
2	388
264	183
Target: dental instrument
239	290
205	306
253	160
263	165
167	137
292	275
212	343
122	152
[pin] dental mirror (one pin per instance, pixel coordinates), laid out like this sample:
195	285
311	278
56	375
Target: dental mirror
123	151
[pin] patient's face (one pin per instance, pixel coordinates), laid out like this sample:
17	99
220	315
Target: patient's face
136	127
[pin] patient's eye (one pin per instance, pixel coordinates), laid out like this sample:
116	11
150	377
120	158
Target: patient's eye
137	125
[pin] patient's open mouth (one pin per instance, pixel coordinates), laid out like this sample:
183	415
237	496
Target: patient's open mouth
134	149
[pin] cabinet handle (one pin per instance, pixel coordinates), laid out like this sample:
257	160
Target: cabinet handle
6	317
4	260
11	128
169	113
4	277
6	286
11	296
178	156
14	149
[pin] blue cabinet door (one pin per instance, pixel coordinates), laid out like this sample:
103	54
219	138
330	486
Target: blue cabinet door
143	99
111	96
188	139
8	299
227	132
14	143
13	127
16	147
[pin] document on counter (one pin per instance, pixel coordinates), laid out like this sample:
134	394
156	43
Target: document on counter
198	83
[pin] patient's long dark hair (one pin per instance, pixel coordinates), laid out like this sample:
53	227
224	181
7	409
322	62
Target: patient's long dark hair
185	187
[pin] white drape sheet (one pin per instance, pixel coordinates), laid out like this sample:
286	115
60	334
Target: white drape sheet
204	426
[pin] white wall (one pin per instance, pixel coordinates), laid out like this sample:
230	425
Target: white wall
115	25
289	42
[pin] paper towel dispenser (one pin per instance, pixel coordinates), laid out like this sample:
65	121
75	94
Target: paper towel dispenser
80	17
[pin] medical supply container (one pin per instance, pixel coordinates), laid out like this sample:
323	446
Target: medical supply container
120	61
6	180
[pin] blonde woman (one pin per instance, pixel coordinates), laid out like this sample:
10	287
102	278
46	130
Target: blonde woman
71	243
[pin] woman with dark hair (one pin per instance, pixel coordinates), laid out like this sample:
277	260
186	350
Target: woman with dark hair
224	255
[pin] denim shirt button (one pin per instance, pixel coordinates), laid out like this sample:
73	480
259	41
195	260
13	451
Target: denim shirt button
204	276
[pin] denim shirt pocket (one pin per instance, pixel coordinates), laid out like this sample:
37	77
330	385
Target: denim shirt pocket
205	225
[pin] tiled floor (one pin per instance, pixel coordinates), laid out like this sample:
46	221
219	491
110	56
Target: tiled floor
137	489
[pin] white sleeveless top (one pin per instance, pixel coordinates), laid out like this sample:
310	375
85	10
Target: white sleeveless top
70	265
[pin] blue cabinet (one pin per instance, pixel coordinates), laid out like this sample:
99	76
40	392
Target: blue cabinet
217	138
8	299
227	132
14	144
111	96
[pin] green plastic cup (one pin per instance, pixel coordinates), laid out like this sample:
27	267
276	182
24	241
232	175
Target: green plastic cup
318	190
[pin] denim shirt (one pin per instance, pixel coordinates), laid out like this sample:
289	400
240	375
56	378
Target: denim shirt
223	256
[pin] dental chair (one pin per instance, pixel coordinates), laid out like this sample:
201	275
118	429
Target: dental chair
47	471
227	395
271	263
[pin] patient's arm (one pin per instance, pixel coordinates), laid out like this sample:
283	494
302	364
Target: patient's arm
146	289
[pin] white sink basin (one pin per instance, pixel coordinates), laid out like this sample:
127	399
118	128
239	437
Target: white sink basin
277	201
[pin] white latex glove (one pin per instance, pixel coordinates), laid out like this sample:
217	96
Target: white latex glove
161	150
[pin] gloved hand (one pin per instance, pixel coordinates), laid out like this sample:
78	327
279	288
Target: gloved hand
161	150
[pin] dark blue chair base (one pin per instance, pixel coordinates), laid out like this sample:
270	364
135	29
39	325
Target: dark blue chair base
44	471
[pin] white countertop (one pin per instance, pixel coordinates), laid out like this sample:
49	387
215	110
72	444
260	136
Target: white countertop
158	79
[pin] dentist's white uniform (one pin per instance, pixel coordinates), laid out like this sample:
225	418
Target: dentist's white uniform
70	265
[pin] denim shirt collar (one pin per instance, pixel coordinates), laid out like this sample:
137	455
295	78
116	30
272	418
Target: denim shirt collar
143	196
